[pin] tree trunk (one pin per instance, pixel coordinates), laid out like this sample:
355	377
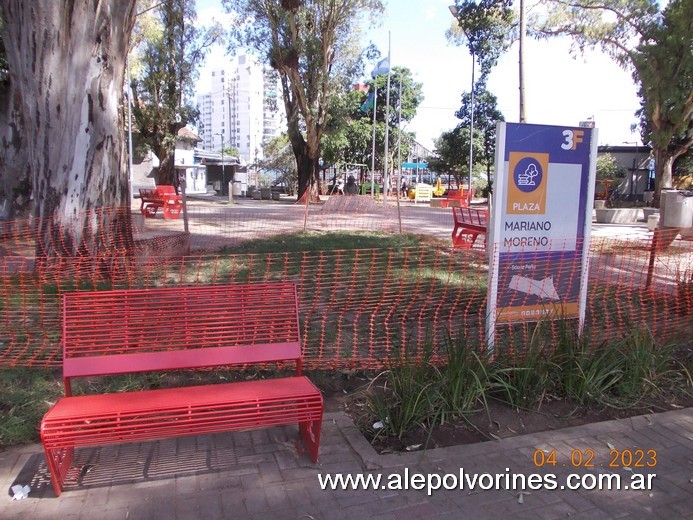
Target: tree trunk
664	162
307	159
167	170
67	64
15	176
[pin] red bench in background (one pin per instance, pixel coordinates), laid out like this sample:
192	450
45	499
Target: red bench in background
138	330
162	196
454	198
469	224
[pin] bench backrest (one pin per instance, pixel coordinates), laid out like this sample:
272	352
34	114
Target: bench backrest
475	217
459	194
137	330
164	190
148	193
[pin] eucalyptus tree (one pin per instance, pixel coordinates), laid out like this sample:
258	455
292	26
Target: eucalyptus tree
63	152
486	27
656	46
315	47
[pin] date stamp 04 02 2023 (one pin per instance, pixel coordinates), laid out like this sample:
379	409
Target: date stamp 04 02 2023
586	459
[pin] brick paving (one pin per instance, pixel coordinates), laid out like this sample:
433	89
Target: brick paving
263	475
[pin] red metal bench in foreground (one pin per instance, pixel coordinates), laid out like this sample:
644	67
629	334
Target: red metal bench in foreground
138	330
469	224
162	196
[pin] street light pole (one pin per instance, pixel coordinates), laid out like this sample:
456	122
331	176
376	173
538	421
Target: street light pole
521	61
471	134
455	13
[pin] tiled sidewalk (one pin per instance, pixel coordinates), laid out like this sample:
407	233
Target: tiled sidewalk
260	475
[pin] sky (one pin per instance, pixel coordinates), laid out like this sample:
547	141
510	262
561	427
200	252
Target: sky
559	89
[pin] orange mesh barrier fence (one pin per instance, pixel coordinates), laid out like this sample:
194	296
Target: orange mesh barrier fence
359	308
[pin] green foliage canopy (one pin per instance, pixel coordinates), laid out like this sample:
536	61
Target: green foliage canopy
486	115
656	45
169	52
486	28
349	135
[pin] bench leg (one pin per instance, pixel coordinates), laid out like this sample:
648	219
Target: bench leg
58	461
464	239
149	211
172	211
310	432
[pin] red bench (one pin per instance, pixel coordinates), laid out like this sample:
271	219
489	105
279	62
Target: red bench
162	196
469	224
453	199
138	330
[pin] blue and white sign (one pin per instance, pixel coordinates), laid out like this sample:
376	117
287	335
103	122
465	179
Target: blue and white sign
540	222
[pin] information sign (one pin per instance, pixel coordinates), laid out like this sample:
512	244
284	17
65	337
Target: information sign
540	222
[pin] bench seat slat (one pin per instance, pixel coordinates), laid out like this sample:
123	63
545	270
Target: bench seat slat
156	414
86	406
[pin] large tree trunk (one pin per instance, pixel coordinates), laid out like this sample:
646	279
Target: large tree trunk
15	175
167	169
664	162
67	63
307	157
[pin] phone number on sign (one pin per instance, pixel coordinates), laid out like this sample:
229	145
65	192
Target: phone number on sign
586	459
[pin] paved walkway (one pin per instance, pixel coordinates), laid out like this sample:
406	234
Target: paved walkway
261	475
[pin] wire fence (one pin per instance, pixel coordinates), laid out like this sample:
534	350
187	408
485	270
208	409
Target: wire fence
359	308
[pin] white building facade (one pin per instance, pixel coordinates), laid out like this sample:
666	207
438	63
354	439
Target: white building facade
243	110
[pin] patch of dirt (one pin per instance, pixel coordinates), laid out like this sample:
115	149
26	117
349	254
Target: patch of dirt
344	391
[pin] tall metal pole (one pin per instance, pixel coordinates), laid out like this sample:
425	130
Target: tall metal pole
399	137
471	135
456	14
387	123
523	30
399	151
375	106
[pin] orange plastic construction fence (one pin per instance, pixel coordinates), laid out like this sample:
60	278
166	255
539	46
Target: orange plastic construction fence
359	308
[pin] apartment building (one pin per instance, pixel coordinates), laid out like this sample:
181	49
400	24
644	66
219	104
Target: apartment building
243	110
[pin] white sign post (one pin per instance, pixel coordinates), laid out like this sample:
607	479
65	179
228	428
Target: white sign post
541	222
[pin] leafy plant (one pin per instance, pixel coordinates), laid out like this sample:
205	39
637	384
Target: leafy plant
408	399
464	380
523	381
608	168
583	373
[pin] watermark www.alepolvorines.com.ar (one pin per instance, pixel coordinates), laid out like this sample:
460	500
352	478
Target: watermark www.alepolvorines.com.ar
431	482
